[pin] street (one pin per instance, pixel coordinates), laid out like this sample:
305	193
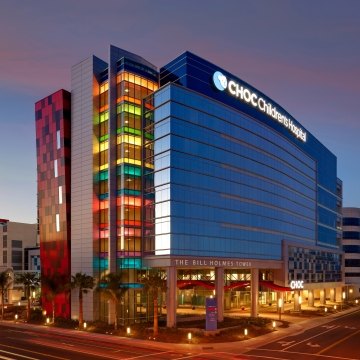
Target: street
337	339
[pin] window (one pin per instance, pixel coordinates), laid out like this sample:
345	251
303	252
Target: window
16	243
352	262
351	248
58	138
351	221
57	222
4	241
60	195
16	257
351	235
56	168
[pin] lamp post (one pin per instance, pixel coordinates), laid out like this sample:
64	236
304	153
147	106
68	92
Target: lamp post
343	298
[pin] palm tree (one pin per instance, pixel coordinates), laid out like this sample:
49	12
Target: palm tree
5	282
154	284
111	286
53	285
84	283
30	280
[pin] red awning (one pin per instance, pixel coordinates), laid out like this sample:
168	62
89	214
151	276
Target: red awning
186	284
272	286
181	284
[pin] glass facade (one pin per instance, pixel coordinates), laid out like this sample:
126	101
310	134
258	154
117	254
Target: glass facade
318	164
228	185
120	138
53	163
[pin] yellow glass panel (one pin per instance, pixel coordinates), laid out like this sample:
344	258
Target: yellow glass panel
137	80
104	116
104	167
150	166
128	161
104	145
124	138
104	87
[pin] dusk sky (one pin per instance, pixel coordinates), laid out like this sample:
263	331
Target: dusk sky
305	55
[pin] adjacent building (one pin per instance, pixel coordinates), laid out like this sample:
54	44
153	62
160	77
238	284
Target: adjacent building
351	247
15	237
190	170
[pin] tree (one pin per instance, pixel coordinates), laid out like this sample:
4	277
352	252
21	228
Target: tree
111	287
54	285
30	280
153	284
84	283
5	282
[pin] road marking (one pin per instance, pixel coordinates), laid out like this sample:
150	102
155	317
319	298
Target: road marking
265	357
285	343
350	327
300	353
328	326
144	356
300	342
312	345
33	352
338	342
11	353
6	358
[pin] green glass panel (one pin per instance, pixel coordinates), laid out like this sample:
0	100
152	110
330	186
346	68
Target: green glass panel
104	137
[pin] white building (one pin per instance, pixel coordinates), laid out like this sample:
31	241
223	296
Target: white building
351	247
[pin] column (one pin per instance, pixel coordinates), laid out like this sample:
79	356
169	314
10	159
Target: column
332	295
254	292
111	310
280	303
338	294
219	292
322	297
311	298
171	296
297	301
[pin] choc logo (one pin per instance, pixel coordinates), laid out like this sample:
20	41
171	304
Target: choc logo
220	80
296	284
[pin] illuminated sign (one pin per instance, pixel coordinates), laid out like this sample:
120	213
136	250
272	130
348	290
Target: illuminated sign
296	284
211	262
221	82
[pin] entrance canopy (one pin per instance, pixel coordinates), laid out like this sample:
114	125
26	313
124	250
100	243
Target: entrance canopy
188	284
